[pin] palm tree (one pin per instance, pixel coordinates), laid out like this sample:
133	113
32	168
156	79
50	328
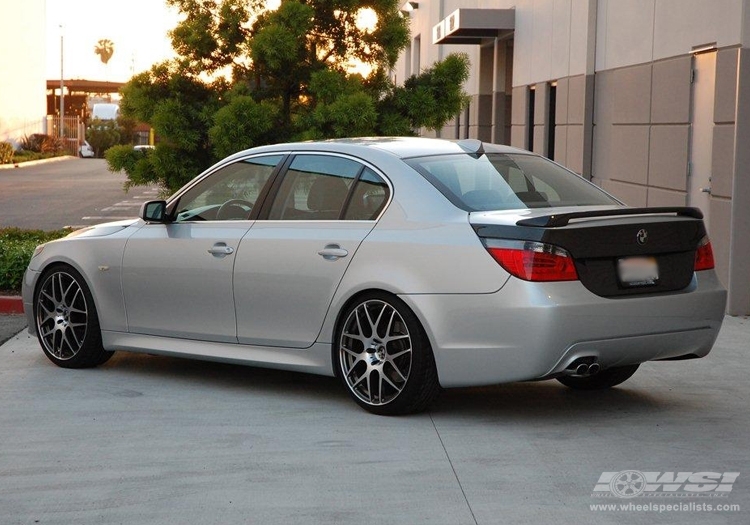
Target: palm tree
105	48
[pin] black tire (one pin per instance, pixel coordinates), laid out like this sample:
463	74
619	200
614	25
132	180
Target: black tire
604	379
389	370
66	321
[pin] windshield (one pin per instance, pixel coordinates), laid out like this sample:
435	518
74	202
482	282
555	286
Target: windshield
507	182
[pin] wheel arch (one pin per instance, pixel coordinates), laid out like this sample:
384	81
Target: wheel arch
64	261
354	297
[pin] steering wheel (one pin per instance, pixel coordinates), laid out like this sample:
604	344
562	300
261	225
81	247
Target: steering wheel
234	210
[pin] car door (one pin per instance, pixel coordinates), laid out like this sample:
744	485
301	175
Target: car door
291	261
177	277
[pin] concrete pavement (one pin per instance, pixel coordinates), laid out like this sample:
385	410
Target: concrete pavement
147	439
70	192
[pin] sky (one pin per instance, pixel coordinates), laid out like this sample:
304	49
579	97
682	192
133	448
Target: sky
138	29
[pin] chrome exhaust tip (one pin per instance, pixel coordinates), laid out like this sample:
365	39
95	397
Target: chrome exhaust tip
583	367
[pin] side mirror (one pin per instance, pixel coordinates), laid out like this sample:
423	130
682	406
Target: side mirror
154	211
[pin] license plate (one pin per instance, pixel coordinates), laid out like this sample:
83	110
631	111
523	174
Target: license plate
638	271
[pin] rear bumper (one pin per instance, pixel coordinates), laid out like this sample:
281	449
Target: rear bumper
531	331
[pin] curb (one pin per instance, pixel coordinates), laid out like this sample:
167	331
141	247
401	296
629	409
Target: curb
35	162
10	304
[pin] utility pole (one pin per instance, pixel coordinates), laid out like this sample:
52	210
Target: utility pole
62	87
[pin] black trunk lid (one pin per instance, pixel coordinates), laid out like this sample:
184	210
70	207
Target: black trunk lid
601	241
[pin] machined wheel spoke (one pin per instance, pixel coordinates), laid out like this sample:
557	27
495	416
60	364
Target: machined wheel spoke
67	290
383	376
358	381
355	355
75	296
67	341
369	319
377	322
369	387
391	357
403	378
388	328
59	288
358	337
48	296
73	334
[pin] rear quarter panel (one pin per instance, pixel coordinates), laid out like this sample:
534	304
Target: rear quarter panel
422	244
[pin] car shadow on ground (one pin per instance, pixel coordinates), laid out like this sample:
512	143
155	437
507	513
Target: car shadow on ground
513	401
550	399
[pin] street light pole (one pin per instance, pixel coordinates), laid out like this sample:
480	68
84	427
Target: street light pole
62	87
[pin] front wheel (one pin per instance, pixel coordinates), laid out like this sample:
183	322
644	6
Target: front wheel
66	321
383	357
604	379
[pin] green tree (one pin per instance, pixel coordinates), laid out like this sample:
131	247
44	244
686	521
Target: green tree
246	76
102	135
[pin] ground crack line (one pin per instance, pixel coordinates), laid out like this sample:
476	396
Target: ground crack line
455	474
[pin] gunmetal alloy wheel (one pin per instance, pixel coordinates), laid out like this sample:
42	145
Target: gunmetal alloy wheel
383	357
61	315
66	321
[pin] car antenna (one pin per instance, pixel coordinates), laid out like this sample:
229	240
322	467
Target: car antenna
472	146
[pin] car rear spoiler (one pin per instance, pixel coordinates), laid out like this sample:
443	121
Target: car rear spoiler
562	219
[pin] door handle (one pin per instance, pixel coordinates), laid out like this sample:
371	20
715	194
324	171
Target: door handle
332	252
220	249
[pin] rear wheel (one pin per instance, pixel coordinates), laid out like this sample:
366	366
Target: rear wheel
383	357
599	381
66	321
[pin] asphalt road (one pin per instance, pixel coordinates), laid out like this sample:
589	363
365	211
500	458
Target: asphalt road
72	192
157	440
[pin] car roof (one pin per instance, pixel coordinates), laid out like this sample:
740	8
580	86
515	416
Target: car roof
402	147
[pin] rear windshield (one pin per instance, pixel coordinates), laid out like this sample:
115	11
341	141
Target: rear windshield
507	182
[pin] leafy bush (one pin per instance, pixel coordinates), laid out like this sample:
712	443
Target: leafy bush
102	135
16	248
33	142
6	153
41	143
25	156
52	144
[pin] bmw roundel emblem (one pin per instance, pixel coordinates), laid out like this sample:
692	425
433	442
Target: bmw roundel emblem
642	236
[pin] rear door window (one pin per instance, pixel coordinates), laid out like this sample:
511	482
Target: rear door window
323	187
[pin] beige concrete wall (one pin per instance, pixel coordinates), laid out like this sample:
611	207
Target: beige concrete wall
23	87
739	219
642	131
643	31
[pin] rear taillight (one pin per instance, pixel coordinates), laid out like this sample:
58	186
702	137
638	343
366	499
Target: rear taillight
704	255
533	261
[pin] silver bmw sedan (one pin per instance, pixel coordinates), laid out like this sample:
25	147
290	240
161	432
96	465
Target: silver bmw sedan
399	265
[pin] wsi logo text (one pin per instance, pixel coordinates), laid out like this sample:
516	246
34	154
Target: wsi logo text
633	483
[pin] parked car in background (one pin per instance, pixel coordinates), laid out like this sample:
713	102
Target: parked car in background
85	150
399	265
